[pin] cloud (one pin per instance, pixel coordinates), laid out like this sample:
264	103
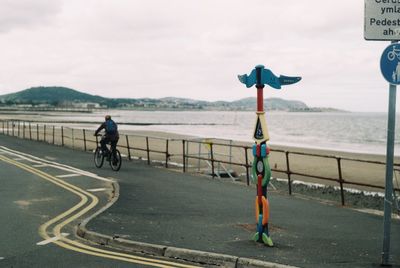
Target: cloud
191	48
26	13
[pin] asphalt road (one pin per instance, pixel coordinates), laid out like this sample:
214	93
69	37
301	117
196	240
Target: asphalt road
174	209
41	203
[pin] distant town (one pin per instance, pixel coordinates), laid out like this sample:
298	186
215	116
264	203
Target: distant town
67	99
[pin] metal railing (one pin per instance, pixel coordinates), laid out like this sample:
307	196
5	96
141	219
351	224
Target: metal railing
178	153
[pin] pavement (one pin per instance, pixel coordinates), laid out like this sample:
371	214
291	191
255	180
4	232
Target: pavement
211	221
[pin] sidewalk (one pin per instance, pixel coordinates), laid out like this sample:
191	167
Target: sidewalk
177	210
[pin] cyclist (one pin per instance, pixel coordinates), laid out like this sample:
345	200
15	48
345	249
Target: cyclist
111	135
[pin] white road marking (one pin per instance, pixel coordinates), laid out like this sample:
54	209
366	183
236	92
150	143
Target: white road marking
68	175
97	190
41	165
18	159
51	240
1	258
45	163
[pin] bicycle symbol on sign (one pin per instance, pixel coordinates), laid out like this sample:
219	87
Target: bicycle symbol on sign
394	53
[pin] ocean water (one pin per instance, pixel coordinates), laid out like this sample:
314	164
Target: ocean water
354	132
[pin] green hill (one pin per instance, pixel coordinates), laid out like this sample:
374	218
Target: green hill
49	95
62	96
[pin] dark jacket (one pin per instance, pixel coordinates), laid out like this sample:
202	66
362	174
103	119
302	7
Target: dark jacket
114	135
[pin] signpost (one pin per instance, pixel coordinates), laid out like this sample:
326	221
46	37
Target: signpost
382	22
261	170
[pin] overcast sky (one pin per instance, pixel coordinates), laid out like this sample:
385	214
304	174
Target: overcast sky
193	49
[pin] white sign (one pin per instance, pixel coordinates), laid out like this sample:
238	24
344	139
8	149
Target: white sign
382	20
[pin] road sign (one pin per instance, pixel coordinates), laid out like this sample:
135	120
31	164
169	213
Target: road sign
382	20
390	64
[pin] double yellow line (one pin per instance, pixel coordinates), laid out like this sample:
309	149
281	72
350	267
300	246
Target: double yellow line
74	213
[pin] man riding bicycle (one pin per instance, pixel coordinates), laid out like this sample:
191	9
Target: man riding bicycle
111	135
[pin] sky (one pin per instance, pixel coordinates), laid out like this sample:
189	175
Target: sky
193	49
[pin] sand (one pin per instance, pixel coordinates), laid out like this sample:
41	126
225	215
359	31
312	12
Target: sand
314	162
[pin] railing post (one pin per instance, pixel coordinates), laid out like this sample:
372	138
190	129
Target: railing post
84	140
340	179
247	166
8	127
184	156
73	139
166	153
288	172
62	136
127	146
44	132
53	134
37	132
23	130
199	155
12	123
19	123
212	160
148	150
30	131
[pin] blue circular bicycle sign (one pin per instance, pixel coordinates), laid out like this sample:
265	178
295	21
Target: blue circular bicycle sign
390	64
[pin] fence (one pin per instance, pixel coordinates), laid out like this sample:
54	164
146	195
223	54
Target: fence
187	155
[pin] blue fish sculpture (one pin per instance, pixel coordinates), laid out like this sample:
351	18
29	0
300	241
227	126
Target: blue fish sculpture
267	77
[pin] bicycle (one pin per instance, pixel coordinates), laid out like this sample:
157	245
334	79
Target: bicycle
114	158
394	53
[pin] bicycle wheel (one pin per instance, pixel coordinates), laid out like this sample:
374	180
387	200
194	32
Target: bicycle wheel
98	157
391	55
115	161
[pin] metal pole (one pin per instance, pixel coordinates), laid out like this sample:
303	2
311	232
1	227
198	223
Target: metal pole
389	175
62	136
340	179
166	154
127	146
183	154
148	150
212	160
247	167
288	172
84	140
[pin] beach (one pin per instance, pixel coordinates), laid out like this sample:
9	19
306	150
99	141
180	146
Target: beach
227	157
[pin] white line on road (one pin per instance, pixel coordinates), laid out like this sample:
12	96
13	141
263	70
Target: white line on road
51	240
97	190
1	258
40	165
18	159
68	175
45	163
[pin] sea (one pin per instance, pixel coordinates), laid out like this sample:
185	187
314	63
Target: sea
340	131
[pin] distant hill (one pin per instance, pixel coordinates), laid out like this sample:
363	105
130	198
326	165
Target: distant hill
49	95
67	97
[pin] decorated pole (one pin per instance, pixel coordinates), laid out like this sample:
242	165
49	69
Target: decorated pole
261	171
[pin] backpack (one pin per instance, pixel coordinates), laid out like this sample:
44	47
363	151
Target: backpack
111	127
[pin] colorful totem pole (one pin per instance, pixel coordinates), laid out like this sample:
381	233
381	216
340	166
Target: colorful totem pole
261	171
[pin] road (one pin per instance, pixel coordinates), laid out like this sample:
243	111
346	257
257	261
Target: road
168	208
42	200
